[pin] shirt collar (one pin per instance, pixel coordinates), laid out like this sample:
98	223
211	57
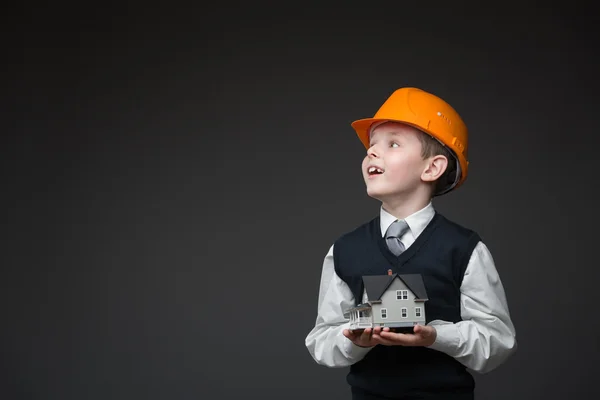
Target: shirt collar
416	221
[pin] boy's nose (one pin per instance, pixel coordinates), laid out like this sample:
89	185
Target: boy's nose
371	152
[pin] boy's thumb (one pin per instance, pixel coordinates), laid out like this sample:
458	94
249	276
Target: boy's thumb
420	329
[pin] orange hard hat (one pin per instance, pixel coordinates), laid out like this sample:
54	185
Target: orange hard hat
431	115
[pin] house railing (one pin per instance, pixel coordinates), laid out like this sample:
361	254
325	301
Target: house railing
361	323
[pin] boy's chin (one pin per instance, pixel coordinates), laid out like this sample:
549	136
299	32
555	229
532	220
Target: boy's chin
384	196
375	194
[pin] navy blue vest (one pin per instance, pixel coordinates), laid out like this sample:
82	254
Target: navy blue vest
440	254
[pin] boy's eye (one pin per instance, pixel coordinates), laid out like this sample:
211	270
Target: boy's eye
394	144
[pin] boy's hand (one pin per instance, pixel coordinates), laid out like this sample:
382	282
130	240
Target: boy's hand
366	338
423	335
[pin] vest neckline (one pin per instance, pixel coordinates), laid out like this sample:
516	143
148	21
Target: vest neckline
398	261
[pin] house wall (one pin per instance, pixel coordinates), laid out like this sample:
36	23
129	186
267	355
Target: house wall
394	306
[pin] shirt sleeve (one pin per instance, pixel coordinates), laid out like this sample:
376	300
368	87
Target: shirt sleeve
486	336
325	342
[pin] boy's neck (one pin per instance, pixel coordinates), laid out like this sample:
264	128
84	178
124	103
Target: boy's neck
403	207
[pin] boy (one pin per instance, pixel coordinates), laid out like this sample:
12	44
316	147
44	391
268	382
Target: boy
416	150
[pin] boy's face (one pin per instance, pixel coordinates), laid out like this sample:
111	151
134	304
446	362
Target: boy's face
393	165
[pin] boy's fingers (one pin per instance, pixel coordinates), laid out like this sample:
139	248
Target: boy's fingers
359	338
349	334
392	336
380	340
401	338
365	337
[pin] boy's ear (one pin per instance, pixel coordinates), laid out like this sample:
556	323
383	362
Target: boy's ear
435	167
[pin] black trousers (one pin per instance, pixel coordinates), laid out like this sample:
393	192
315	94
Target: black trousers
359	394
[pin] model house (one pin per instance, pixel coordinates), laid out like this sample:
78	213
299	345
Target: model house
396	301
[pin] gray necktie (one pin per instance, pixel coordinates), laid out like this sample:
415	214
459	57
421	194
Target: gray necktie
392	236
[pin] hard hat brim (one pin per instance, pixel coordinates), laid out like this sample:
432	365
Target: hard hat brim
363	126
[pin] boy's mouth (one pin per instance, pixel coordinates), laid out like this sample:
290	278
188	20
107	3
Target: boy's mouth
374	171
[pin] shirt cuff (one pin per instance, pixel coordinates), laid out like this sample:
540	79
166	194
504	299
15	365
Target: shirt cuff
354	352
447	339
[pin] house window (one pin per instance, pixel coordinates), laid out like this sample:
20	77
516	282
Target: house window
384	313
403	312
417	311
402	294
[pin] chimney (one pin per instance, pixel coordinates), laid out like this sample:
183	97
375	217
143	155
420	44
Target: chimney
389	271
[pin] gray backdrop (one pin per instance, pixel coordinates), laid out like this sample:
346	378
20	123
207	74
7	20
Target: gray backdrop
173	178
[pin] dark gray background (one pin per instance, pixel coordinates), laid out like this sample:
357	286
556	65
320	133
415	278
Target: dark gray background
172	179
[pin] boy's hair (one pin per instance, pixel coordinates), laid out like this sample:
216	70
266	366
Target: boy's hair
432	147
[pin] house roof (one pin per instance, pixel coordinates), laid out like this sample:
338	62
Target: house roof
376	285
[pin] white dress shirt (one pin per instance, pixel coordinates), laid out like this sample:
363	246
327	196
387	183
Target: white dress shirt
481	341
